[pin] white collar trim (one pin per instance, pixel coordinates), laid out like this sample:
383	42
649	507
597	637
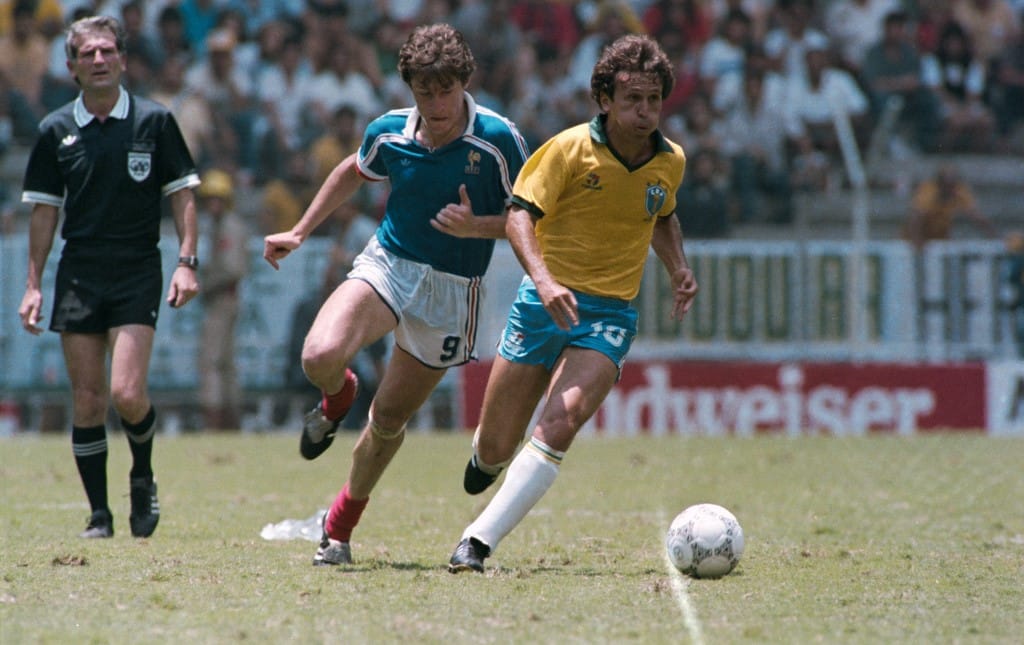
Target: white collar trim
414	118
83	116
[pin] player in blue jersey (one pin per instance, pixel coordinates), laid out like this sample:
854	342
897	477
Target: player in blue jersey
451	164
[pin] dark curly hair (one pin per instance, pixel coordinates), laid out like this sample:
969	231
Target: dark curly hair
631	53
436	53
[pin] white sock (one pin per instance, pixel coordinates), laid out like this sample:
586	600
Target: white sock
529	476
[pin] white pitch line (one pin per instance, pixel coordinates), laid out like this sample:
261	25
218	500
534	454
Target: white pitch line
679	591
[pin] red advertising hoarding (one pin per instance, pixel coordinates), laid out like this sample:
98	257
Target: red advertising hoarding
744	398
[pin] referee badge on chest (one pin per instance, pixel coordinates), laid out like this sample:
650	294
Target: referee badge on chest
139	165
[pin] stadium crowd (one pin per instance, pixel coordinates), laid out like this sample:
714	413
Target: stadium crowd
276	92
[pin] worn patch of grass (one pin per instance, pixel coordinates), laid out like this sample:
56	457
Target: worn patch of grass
862	540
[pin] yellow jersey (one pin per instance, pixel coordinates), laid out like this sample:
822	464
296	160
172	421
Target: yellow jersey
596	215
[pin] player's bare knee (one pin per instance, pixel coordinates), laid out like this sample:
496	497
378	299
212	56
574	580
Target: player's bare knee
129	403
495	448
89	409
384	431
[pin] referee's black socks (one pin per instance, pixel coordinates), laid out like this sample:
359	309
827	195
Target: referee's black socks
140	440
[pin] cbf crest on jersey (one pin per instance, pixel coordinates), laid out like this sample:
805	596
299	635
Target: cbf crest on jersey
654	199
139	165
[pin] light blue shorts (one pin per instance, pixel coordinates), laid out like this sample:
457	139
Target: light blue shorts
606	325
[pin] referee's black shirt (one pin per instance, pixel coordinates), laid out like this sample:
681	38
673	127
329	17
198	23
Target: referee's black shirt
110	177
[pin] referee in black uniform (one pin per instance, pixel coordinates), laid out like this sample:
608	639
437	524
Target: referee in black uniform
108	158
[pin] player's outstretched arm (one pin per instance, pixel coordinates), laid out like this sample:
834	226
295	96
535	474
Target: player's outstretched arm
667	243
339	186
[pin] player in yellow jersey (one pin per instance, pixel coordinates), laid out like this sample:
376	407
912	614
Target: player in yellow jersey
586	208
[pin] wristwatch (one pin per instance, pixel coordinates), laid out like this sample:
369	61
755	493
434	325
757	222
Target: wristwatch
188	261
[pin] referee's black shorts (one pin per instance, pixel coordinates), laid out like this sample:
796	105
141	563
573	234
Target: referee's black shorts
94	293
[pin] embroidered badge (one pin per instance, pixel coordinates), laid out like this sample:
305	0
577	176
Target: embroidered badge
654	199
139	165
473	165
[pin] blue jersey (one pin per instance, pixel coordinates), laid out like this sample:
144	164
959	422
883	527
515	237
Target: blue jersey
486	158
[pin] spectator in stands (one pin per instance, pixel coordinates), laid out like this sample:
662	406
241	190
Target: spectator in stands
269	43
991	25
25	55
786	44
329	19
141	58
338	83
552	24
281	89
225	236
199	18
342	138
893	68
929	20
1008	86
827	94
685	22
497	44
755	134
229	93
141	45
760	12
48	15
192	112
697	130
612	19
959	79
171	40
853	26
285	197
702	201
246	51
725	54
729	90
544	96
18	121
937	202
259	13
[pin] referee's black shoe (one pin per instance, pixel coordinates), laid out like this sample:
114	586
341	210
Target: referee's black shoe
145	506
101	525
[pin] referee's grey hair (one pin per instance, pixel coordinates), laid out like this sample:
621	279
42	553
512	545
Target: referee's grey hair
89	25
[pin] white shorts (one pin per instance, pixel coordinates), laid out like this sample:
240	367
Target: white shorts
438	313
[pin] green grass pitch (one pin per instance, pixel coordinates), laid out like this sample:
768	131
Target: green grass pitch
856	540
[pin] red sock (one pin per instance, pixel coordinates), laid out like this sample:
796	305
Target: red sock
344	515
337	405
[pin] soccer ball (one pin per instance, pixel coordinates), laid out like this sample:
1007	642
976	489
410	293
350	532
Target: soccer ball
705	541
